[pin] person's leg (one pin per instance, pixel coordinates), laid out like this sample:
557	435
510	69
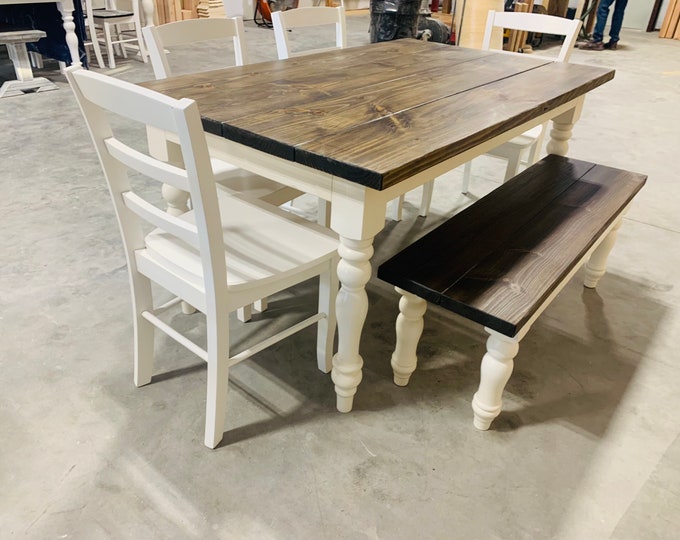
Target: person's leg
617	20
602	16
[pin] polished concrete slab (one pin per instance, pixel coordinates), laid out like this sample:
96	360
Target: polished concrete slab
587	447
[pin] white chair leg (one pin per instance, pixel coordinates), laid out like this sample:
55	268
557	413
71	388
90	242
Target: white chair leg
496	369
143	333
513	165
218	381
140	42
426	199
409	328
325	336
597	263
97	49
467	172
109	45
323	215
395	208
535	150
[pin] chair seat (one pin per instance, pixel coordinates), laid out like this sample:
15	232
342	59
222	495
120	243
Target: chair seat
524	140
110	13
262	243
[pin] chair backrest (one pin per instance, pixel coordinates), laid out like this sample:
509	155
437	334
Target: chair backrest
534	22
306	17
192	31
100	96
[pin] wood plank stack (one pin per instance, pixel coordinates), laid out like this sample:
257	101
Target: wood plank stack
211	8
671	23
518	38
176	10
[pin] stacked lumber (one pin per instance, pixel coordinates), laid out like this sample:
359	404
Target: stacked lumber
176	10
671	23
517	38
211	8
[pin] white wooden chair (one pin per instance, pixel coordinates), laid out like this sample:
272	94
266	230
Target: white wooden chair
188	32
306	17
111	21
309	17
225	253
231	178
192	31
530	142
91	39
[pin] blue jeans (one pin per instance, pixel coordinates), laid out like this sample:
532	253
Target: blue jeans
617	19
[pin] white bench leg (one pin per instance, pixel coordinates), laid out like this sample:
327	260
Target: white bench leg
597	264
496	369
409	329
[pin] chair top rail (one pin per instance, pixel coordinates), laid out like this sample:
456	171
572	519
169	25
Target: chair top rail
537	23
192	31
305	17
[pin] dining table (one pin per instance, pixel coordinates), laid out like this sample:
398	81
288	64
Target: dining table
361	126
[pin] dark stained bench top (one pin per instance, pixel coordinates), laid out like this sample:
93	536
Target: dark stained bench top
498	260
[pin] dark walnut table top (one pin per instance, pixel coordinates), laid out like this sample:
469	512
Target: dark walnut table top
380	113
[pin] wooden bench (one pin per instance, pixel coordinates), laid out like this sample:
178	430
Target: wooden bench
501	261
15	39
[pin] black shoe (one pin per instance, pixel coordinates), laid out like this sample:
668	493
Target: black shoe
612	45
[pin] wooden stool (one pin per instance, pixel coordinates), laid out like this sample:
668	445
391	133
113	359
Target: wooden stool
501	261
15	39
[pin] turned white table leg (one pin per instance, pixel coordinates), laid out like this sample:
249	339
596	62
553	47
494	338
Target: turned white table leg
354	271
177	199
66	9
597	263
409	329
496	369
561	131
149	11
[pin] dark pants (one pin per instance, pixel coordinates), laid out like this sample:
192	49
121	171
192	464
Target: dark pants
617	19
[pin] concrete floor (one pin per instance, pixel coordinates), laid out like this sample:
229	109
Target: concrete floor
587	447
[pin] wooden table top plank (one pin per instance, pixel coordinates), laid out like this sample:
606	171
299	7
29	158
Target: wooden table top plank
306	118
328	72
266	102
379	113
382	153
244	92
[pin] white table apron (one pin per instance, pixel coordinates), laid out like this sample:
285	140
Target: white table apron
357	215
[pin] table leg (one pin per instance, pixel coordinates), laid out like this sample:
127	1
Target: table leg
165	150
65	7
357	215
354	271
148	10
177	199
562	129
